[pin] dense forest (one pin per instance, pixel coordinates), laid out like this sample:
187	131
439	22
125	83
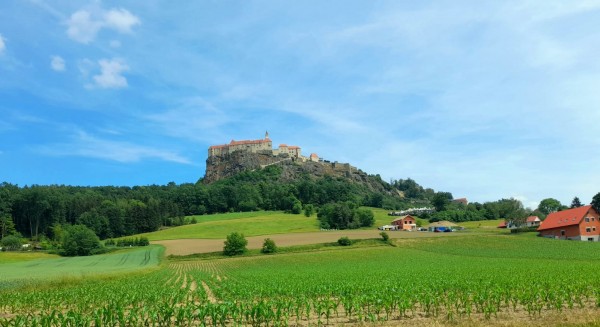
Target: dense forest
40	211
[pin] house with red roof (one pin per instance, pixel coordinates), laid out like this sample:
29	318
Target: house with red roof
582	224
407	222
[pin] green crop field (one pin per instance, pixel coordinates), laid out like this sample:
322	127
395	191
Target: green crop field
67	267
252	223
468	278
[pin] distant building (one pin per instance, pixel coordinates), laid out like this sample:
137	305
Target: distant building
255	146
461	200
582	224
407	222
533	221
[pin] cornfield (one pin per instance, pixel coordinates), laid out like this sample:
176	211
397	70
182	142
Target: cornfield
364	285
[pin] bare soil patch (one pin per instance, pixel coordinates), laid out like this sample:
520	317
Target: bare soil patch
191	246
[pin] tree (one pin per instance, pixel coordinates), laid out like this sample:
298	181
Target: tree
79	240
11	243
365	217
576	203
269	246
549	205
7	227
441	200
235	244
596	202
297	207
309	209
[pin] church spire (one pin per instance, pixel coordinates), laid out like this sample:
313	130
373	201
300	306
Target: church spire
266	135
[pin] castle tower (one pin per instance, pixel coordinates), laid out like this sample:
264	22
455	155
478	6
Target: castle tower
266	135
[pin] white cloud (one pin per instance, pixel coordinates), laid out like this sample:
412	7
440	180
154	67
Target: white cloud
85	145
2	44
120	20
110	74
84	25
57	63
81	27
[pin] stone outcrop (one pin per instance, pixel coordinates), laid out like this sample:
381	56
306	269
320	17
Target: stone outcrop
219	167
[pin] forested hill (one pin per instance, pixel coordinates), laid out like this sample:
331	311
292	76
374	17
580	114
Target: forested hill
40	211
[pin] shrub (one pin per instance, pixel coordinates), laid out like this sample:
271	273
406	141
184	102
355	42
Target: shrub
309	209
344	241
269	246
385	236
79	240
297	207
110	242
235	244
11	243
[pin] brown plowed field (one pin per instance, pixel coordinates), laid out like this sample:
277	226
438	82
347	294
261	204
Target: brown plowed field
191	246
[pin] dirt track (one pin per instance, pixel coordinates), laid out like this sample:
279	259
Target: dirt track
191	246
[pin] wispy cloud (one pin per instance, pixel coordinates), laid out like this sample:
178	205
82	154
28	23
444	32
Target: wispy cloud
83	144
193	118
57	63
2	44
111	74
84	25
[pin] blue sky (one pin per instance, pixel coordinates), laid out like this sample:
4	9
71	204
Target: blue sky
485	99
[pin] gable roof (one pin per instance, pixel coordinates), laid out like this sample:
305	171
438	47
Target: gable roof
532	219
403	217
502	224
565	218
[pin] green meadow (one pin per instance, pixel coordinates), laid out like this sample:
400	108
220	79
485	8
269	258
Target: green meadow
48	267
257	223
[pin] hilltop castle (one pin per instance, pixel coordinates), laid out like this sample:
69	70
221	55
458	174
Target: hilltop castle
226	160
264	146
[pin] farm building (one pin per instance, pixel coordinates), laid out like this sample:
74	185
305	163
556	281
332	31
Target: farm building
441	226
531	221
388	227
582	224
407	222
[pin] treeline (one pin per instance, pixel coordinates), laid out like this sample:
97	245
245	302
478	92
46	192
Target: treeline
111	212
509	209
458	212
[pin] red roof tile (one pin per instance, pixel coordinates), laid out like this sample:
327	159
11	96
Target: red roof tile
532	219
502	224
565	218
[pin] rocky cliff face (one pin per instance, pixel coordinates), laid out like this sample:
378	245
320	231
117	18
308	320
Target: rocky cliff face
219	167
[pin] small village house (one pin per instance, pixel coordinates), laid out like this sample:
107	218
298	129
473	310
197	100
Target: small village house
582	224
533	221
407	222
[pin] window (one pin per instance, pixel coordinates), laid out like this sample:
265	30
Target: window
593	228
587	219
588	229
562	233
591	239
